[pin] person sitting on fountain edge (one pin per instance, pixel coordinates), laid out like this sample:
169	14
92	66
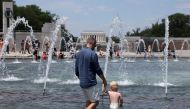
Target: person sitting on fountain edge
86	68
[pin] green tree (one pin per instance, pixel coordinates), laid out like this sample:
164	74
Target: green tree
179	27
128	34
158	30
35	16
146	32
136	32
115	39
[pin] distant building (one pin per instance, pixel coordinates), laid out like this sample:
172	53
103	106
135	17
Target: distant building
100	36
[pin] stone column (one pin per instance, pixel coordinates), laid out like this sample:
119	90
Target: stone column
86	37
82	38
102	38
6	6
98	38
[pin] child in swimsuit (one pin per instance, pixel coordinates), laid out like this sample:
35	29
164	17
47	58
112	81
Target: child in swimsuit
115	97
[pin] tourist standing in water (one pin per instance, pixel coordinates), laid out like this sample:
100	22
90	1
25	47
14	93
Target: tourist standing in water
86	68
116	100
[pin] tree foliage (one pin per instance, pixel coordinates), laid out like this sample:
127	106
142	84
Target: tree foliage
115	39
35	16
179	27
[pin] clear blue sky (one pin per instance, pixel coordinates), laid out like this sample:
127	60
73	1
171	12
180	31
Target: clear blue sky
97	14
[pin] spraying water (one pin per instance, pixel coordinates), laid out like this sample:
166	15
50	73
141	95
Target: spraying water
79	43
141	47
8	37
45	43
174	49
115	23
157	45
124	47
9	34
58	24
62	42
166	54
41	67
107	51
15	51
183	44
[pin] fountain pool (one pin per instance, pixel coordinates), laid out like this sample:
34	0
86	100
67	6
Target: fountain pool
142	86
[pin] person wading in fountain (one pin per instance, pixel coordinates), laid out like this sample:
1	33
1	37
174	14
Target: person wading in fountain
86	68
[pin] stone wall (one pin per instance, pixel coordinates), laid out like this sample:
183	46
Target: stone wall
132	43
178	42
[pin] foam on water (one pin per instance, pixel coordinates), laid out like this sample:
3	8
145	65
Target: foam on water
11	78
76	81
125	82
114	60
42	79
176	60
16	62
69	61
147	60
100	61
34	61
162	84
160	60
53	61
129	60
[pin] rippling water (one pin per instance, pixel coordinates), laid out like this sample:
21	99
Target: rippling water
140	82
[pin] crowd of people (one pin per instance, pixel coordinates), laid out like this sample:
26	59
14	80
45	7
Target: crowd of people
28	47
112	52
33	47
148	51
